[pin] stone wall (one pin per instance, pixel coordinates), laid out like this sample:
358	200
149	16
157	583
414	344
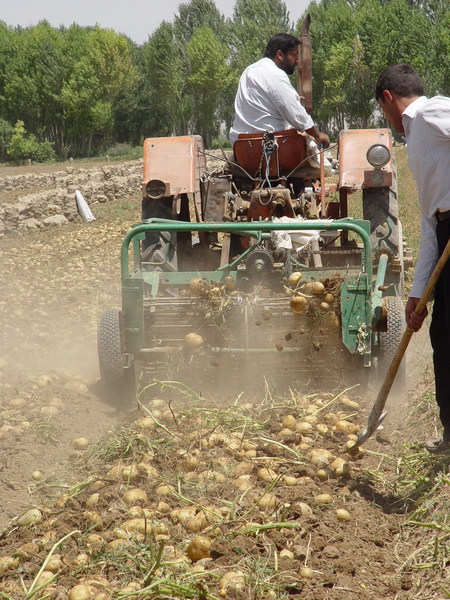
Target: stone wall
56	203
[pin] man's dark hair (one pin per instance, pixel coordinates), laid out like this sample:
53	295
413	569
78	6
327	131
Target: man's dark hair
280	41
401	79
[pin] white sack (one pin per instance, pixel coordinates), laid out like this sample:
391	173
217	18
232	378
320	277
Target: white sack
83	207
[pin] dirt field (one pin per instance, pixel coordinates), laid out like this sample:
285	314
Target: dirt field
256	478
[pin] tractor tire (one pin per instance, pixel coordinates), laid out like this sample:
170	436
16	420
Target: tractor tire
390	340
117	380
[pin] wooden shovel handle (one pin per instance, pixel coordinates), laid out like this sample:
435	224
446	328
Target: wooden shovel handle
377	408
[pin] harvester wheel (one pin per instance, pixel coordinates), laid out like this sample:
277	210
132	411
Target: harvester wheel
390	339
118	381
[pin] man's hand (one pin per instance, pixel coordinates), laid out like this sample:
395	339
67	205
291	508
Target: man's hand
323	139
413	319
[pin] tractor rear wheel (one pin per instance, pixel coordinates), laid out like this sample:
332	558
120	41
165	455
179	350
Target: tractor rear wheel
117	379
390	340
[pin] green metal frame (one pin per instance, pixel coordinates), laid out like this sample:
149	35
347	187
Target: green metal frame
357	305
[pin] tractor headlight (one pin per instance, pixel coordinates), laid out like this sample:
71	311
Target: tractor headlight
155	188
378	155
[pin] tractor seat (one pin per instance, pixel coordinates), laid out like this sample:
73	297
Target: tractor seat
289	152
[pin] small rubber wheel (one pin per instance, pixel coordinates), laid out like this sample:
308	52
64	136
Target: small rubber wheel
390	340
118	381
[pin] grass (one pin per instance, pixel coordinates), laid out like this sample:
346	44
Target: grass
123	444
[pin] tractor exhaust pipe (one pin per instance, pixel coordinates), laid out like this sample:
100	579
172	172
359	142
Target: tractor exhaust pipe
304	67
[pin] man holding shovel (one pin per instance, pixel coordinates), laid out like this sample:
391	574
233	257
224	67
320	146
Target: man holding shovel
425	123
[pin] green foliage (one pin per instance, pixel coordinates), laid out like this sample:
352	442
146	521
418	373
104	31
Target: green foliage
124	151
170	108
209	77
6	131
22	146
254	23
84	89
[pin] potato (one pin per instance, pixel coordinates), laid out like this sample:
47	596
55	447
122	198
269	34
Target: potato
332	320
323	499
346	426
93	500
193	341
137	525
304	427
28	550
135	496
328	298
285	553
199	547
233	580
289	422
295	277
306	573
349	403
129	473
289	480
343	515
54	564
322	429
242	468
242	483
268	501
179	515
198	286
324	306
80	443
210	475
146	423
164	490
317	288
230	283
340	467
197	523
320	457
36	475
77	386
191	462
31	517
8	563
298	304
94	542
324	474
81	592
94	519
266	474
17	403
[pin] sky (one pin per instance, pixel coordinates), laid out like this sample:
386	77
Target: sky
135	18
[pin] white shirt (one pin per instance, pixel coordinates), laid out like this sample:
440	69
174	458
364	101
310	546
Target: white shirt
266	101
426	122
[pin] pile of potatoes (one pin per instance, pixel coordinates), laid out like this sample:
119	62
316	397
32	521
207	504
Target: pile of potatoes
214	482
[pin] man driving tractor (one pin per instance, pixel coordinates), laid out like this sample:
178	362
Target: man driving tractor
266	100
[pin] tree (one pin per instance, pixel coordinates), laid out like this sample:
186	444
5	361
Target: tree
254	23
98	78
169	106
209	77
34	78
196	14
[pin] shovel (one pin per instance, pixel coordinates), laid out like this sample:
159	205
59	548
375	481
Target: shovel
377	415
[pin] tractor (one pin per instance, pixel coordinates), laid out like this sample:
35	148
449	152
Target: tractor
255	268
